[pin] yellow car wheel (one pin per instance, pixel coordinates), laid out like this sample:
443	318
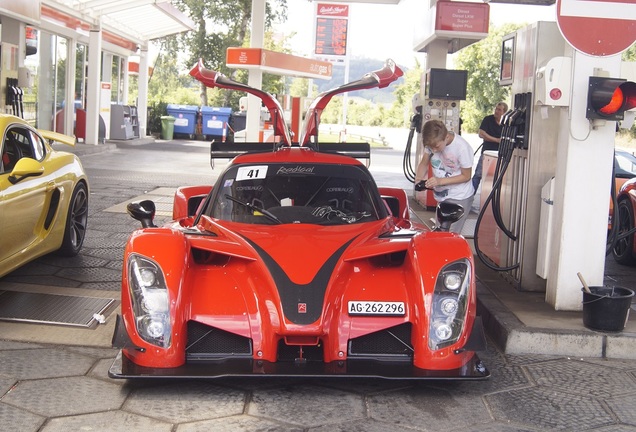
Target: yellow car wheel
75	229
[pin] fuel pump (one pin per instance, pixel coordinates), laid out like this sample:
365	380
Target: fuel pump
439	99
508	227
513	136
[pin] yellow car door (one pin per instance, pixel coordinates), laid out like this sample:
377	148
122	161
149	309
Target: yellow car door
23	193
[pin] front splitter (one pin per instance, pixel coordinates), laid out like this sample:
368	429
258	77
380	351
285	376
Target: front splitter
123	368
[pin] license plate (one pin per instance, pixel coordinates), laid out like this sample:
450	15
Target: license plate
376	308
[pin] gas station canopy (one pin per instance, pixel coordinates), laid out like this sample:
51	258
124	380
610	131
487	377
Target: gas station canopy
526	2
138	21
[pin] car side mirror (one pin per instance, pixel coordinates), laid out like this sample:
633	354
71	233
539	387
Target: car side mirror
143	211
25	167
447	214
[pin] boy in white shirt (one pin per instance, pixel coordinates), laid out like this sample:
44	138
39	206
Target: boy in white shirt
451	158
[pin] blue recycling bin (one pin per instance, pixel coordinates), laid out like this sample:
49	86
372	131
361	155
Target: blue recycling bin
214	120
185	118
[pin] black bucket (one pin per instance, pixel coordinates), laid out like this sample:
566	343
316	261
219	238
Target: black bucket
606	308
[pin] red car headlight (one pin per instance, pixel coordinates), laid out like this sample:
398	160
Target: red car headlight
450	300
150	300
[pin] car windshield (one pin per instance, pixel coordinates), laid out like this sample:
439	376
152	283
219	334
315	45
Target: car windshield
297	193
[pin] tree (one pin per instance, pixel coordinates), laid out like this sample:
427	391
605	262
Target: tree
365	113
219	25
400	112
165	73
299	87
482	61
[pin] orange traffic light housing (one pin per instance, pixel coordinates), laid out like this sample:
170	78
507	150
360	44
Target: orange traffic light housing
609	98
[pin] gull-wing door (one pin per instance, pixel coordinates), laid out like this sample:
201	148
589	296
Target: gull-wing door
216	79
380	79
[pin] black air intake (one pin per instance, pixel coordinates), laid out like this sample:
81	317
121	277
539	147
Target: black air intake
394	342
206	343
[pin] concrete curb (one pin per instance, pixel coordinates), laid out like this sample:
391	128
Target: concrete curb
509	333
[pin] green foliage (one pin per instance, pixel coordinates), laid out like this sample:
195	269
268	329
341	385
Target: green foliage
299	87
630	53
361	112
184	96
400	113
155	111
220	25
333	112
482	61
165	74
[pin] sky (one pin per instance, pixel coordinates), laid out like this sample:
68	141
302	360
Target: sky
386	31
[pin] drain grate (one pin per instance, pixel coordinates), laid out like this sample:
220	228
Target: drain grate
75	311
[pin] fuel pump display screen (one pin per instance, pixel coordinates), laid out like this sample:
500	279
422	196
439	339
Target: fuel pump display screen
331	36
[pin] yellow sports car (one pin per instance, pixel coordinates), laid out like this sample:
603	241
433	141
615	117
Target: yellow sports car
43	195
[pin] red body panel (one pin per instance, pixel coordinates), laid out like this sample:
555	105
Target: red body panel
247	303
628	191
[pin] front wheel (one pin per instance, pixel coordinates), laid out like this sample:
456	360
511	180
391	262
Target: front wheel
75	229
623	247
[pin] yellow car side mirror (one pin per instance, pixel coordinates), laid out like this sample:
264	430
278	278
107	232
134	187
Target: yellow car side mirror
26	167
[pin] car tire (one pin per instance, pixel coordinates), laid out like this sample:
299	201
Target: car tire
75	229
622	248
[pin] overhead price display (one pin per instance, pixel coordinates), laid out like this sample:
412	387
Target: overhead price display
331	36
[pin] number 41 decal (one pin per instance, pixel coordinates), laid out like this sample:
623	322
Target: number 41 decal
251	172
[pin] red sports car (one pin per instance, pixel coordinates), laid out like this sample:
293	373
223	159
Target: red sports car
296	264
623	244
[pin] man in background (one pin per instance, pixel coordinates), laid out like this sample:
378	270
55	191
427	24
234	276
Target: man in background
490	132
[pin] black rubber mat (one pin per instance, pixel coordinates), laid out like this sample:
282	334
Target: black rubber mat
55	309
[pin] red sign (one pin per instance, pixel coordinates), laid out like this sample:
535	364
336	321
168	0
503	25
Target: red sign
462	17
277	63
597	27
327	9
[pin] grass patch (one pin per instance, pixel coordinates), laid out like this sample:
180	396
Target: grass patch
332	138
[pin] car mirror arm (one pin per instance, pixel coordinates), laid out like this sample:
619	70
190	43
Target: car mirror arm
14	179
143	211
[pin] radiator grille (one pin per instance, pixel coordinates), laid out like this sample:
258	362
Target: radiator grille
209	342
394	341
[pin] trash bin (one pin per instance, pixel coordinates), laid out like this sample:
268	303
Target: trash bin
167	127
214	121
238	121
185	118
